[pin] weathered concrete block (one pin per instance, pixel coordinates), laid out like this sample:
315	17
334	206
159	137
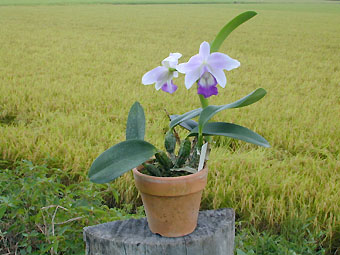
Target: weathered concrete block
214	235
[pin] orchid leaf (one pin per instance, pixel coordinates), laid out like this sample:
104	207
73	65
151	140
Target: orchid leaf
230	27
119	159
211	110
135	126
186	116
187	124
233	131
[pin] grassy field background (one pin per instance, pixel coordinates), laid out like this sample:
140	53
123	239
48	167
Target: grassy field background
138	2
69	74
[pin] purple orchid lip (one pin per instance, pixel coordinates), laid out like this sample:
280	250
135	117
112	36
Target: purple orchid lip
170	88
207	91
207	85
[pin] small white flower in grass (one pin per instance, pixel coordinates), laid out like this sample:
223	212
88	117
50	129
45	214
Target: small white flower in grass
163	75
207	70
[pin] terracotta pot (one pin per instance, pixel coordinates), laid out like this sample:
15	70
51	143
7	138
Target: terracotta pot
171	203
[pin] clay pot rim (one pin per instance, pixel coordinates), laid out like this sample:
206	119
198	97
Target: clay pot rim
170	186
189	176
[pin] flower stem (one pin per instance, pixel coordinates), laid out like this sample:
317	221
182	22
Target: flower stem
204	103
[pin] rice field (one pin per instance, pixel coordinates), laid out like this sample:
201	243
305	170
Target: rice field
143	2
69	74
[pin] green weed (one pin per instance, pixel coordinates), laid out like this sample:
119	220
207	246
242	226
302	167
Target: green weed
39	214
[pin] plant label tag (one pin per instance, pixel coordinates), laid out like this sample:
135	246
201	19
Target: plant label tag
202	156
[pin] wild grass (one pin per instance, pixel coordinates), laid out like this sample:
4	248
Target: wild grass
138	2
69	74
301	241
42	213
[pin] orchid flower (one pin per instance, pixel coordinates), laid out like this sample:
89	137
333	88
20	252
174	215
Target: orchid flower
163	75
207	70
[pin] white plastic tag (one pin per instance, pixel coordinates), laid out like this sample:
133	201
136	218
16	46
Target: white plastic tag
202	156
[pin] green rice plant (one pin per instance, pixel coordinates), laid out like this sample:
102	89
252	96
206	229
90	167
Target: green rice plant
303	242
133	2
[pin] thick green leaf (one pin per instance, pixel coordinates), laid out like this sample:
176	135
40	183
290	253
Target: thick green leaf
211	110
119	159
135	126
187	124
185	116
233	131
228	28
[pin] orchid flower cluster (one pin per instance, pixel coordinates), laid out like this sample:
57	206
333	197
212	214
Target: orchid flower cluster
207	70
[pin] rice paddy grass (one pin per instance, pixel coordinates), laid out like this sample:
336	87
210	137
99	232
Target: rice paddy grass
138	2
69	74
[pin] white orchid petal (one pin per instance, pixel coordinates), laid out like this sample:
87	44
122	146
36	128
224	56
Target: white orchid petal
170	63
191	78
173	64
172	60
176	55
173	57
159	84
219	75
222	61
204	50
218	60
166	63
154	75
193	63
232	64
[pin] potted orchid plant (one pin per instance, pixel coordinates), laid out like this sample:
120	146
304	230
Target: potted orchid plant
171	181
